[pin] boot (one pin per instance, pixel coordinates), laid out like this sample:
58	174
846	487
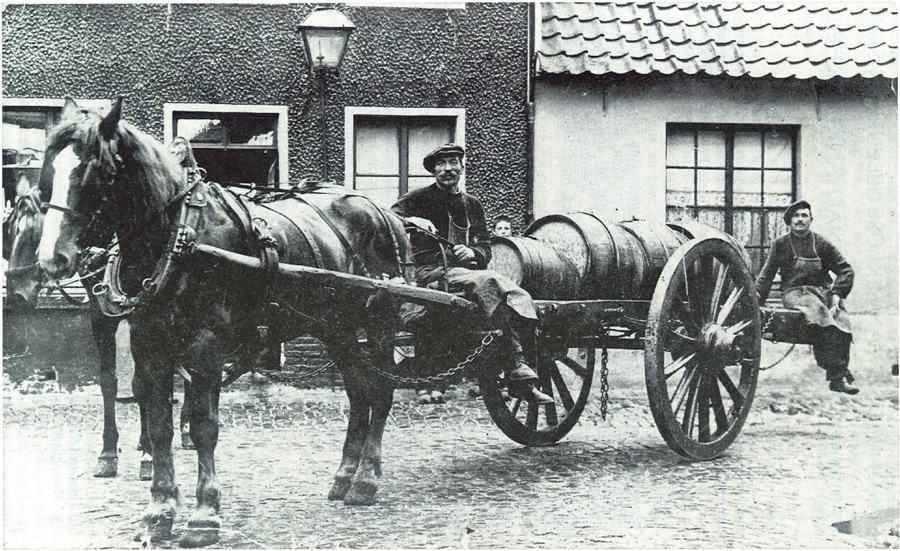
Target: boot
523	377
841	385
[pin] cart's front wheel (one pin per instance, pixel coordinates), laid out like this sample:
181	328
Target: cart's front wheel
565	374
702	348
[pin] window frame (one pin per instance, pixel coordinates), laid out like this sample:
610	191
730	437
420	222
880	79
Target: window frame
350	114
281	137
729	208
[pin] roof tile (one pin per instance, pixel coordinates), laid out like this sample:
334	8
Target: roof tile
759	39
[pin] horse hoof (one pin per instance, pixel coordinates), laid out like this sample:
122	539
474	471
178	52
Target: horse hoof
155	529
361	493
339	488
187	442
146	472
107	467
201	533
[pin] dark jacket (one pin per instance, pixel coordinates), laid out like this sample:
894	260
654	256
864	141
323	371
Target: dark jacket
437	206
781	259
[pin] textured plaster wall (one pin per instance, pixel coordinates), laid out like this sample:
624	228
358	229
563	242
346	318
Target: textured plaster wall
474	58
612	161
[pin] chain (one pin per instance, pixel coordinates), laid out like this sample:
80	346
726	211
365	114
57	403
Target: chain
279	377
786	354
488	339
604	382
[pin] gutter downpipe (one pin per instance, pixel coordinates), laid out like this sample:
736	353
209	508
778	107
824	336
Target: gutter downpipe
531	61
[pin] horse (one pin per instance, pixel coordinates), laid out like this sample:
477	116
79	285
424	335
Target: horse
23	232
190	310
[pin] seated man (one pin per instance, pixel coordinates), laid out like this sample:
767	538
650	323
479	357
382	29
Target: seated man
442	210
806	261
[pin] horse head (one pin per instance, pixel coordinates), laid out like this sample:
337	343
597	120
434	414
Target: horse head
23	281
100	175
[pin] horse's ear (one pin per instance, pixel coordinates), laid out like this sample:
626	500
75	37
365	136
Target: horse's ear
111	121
69	107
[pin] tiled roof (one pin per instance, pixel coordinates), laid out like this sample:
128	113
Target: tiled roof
782	40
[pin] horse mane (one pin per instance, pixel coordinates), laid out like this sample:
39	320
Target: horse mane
150	177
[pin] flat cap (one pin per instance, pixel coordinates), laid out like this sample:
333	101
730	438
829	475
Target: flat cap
794	207
447	149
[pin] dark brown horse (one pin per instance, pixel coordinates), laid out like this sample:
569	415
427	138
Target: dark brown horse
23	285
194	312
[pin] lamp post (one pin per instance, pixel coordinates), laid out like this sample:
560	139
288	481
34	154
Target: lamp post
325	33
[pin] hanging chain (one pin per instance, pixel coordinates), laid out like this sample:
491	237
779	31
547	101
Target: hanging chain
291	378
487	340
786	354
604	382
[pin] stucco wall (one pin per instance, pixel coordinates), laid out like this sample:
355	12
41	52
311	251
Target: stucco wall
473	58
612	161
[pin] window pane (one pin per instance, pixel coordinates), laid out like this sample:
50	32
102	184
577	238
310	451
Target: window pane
775	226
680	179
711	149
778	181
382	190
711	187
419	182
747	227
714	218
778	150
235	166
680	148
747	188
201	130
377	148
748	149
252	129
675	214
424	136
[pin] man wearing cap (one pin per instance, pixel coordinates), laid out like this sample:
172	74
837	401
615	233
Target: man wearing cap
442	213
806	261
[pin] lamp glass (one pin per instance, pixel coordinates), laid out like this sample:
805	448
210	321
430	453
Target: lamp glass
326	47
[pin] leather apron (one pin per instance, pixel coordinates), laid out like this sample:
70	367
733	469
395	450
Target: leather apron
813	301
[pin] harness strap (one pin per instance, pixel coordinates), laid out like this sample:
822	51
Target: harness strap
354	256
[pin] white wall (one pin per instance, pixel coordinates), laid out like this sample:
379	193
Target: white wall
612	161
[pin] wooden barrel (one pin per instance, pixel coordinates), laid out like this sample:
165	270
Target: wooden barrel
610	261
695	230
535	267
658	243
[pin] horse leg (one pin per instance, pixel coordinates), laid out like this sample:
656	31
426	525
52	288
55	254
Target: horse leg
104	333
138	388
148	348
186	441
358	420
380	396
204	525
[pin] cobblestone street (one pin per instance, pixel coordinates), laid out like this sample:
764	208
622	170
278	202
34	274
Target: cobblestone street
452	479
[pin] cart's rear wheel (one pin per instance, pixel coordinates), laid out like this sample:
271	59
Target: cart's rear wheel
565	374
702	348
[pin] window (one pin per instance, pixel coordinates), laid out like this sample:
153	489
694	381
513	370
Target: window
26	123
233	143
737	178
384	158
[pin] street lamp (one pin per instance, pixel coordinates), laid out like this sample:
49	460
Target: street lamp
325	33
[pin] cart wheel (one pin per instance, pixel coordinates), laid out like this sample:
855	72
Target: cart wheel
702	348
563	375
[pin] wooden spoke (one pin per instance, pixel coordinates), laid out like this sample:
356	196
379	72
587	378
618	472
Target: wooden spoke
574	366
690	408
517	402
682	338
532	416
681	312
561	387
729	305
703	432
721	275
684	388
738	327
678	364
732	390
718	407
